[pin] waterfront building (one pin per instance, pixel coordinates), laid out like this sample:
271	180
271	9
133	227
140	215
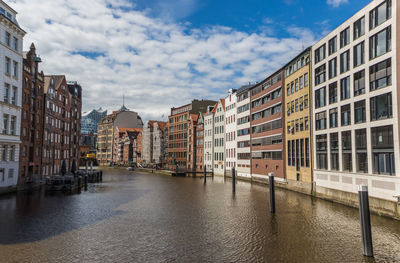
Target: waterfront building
10	96
192	143
121	136
209	138
243	141
298	132
267	135
30	154
61	133
152	144
230	131
219	138
178	132
200	144
355	84
129	141
123	118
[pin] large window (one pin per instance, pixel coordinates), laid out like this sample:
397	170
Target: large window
345	61
322	162
345	37
320	74
359	83
332	45
358	54
307	146
332	68
345	115
380	75
381	107
320	121
361	151
345	88
382	150
334	142
320	98
320	54
289	153
380	43
332	92
346	151
380	14
359	111
333	118
359	28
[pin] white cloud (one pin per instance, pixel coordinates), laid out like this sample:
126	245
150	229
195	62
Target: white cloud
336	3
157	64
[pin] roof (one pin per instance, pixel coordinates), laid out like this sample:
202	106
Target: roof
121	129
58	79
223	103
194	117
215	108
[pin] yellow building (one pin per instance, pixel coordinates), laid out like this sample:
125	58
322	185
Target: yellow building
298	132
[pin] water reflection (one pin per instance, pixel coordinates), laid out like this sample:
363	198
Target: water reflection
135	217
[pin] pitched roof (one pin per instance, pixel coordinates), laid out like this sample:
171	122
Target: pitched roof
215	108
194	117
223	103
58	79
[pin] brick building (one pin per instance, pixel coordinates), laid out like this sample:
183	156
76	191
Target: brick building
30	160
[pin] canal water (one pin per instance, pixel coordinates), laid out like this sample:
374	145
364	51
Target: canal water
134	217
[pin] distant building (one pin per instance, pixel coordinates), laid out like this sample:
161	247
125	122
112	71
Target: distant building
123	118
30	161
192	143
219	138
10	96
243	154
209	138
178	131
90	120
152	142
230	131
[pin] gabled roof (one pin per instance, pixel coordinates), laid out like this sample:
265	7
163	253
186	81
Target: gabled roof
215	108
194	117
58	79
223	103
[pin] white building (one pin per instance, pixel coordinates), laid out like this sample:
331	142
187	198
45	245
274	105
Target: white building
356	131
11	36
230	131
243	165
209	138
219	138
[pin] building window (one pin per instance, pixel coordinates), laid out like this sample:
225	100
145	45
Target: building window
14	96
358	54
380	14
382	150
345	115
359	28
380	75
345	37
345	88
7	38
359	83
359	112
15	43
320	100
333	118
307	151
334	143
15	69
320	54
13	125
332	45
380	43
289	154
301	83
381	107
6	95
322	162
5	123
306	80
332	92
320	74
346	151
320	121
332	68
361	151
345	61
7	66
306	125
305	101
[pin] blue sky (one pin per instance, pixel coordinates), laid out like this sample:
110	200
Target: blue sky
163	53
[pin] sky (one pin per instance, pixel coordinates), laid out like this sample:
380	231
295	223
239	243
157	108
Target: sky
164	53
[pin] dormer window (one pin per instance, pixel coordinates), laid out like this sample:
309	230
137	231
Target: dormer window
2	11
51	81
9	16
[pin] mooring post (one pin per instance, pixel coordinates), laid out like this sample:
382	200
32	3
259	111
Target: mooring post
86	182
271	192
233	180
91	166
365	220
87	164
101	176
212	172
205	174
176	170
79	183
